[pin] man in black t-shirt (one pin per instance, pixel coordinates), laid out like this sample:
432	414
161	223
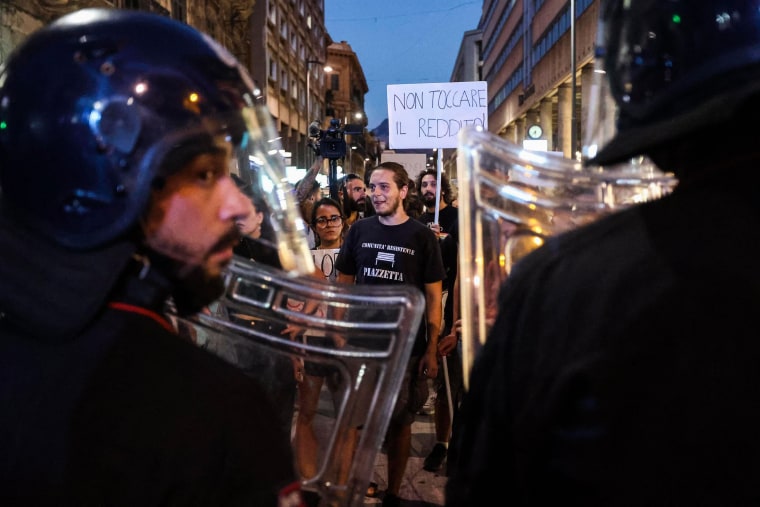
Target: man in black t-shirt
446	227
391	248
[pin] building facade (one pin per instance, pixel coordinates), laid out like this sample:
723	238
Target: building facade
538	61
346	89
467	67
282	42
225	20
289	53
536	58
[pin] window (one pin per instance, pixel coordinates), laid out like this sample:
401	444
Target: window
272	13
334	82
273	69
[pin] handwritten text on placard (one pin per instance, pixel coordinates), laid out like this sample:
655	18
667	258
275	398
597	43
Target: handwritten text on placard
430	115
324	260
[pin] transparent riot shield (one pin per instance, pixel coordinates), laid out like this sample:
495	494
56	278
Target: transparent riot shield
512	199
354	340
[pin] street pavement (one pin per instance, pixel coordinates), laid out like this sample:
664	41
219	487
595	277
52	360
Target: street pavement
419	487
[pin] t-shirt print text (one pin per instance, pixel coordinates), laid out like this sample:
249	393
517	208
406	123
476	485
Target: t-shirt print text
392	248
385	262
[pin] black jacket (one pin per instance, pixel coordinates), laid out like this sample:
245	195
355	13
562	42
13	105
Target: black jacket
623	366
102	403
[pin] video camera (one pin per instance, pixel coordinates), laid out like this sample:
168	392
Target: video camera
331	143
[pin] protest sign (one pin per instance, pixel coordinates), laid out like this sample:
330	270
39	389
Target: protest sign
430	115
324	260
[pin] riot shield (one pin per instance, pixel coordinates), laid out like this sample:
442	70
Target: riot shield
512	199
359	343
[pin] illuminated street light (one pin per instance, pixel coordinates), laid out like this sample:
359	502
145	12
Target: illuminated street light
358	116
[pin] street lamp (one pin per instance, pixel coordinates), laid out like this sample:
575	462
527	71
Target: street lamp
358	116
325	68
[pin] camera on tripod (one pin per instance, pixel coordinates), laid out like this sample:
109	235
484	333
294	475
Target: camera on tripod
331	143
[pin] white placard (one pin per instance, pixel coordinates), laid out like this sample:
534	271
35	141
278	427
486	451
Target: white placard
430	115
414	163
324	260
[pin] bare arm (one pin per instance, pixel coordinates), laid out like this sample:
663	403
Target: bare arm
448	342
433	314
344	278
306	181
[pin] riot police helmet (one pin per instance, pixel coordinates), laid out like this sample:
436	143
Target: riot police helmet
99	106
668	68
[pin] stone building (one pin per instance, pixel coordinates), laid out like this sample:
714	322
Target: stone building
346	89
289	42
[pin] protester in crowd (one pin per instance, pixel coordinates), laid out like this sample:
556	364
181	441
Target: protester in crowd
449	380
389	248
277	374
413	204
356	204
131	204
445	227
327	220
257	235
308	192
622	367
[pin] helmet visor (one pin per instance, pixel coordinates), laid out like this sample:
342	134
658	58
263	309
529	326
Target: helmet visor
259	161
512	200
248	138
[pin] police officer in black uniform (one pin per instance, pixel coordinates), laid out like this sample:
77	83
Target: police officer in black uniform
623	366
117	133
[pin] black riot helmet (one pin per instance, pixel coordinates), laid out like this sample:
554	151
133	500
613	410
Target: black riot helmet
99	106
670	67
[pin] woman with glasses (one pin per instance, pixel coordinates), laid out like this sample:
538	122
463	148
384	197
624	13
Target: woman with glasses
327	220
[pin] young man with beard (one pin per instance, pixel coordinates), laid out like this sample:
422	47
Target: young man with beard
447	230
392	248
130	138
356	204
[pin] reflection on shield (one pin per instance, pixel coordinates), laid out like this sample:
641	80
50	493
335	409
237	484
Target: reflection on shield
512	199
351	341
